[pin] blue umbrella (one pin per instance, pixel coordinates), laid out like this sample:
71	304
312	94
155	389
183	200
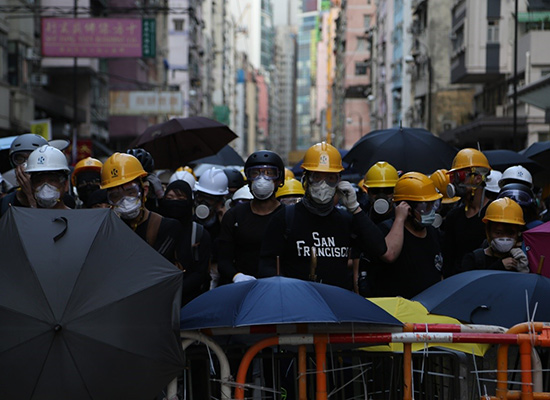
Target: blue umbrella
279	300
489	297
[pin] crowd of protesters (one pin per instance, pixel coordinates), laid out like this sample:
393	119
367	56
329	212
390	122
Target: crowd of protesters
394	233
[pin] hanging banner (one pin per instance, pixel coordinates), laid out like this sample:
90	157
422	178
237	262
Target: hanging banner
145	103
42	127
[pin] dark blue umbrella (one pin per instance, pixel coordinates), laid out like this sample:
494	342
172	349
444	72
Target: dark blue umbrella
279	300
226	156
489	297
502	159
539	152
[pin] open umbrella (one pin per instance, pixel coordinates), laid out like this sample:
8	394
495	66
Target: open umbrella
180	140
88	310
538	252
407	149
279	300
539	152
226	156
502	159
489	297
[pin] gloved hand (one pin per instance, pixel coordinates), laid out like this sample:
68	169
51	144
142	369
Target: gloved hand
348	196
240	277
522	264
156	184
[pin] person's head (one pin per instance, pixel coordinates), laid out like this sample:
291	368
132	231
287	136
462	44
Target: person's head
243	195
522	195
144	157
516	174
322	165
503	224
235	180
178	201
98	199
49	175
210	192
420	193
86	177
181	175
492	187
22	146
264	172
379	182
291	192
122	175
468	172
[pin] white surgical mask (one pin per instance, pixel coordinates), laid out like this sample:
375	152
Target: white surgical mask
428	219
47	195
503	244
128	207
321	192
262	188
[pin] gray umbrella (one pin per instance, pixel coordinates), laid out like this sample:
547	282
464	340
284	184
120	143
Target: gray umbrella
88	309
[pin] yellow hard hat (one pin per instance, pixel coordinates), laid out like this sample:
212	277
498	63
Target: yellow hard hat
381	174
291	187
504	210
323	157
470	158
289	174
119	169
441	180
187	169
414	186
361	185
86	164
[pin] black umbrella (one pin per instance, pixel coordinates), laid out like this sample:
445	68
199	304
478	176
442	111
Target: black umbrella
539	152
88	310
180	140
407	149
502	159
226	156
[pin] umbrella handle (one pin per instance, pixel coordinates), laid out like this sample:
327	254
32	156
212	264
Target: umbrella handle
62	233
481	307
541	263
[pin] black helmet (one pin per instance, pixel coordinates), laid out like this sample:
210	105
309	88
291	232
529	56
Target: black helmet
266	157
520	193
144	157
234	178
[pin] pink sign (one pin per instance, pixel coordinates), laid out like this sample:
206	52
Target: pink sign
91	37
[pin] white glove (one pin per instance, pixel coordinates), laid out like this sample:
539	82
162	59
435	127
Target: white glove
157	185
240	277
348	196
522	262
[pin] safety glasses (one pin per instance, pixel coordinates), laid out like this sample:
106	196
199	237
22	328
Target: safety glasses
331	178
267	171
426	207
520	197
38	178
460	175
114	195
20	157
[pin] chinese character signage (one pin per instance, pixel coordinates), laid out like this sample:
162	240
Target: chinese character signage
98	37
145	103
42	127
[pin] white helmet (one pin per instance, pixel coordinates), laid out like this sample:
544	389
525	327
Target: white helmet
243	193
213	181
47	158
492	181
516	174
183	176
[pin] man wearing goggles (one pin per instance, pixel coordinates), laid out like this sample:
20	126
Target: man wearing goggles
244	225
413	261
525	197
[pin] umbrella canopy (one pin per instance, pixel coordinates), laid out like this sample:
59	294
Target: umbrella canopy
88	310
409	311
539	152
180	140
226	156
538	252
279	300
502	159
489	297
407	149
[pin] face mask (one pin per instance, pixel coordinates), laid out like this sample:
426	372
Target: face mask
321	192
438	220
47	195
381	206
177	209
84	192
128	207
202	211
503	245
428	219
262	188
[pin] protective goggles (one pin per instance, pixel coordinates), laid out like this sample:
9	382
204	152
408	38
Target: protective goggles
519	196
330	178
460	175
114	195
267	171
426	207
20	157
38	178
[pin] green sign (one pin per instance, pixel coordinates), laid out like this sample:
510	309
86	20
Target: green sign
325	5
149	38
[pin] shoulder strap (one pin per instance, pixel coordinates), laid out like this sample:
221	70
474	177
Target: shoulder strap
289	219
153	226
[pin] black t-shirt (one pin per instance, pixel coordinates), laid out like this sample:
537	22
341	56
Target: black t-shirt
241	236
477	259
461	236
168	236
417	267
332	236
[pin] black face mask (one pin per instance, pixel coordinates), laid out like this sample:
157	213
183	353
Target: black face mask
182	210
85	191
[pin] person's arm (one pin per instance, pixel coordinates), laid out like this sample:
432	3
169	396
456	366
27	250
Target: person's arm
394	238
273	246
226	255
196	272
369	236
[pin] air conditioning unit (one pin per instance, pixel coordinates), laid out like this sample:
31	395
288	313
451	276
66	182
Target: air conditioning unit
39	79
31	55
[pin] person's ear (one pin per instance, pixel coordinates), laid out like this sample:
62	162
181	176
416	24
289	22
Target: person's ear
145	190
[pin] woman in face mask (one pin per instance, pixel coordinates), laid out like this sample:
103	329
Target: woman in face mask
177	202
503	225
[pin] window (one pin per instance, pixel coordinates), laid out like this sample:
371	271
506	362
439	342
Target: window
3	57
361	68
361	44
179	24
366	21
492	31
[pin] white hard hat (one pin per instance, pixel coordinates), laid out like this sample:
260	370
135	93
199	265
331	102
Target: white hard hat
47	158
492	181
183	176
243	193
516	174
213	181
